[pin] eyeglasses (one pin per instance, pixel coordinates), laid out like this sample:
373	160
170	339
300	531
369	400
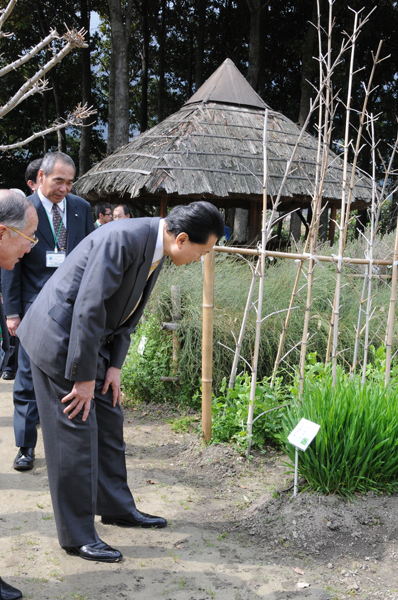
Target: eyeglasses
33	241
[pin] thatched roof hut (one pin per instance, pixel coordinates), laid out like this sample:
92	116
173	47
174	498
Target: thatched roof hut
212	148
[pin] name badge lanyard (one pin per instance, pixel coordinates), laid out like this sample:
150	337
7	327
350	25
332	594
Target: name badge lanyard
53	232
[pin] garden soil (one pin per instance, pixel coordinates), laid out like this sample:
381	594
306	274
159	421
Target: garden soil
234	531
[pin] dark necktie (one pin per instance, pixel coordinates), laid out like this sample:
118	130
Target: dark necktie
59	227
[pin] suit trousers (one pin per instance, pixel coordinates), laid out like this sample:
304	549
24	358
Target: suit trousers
25	407
12	363
85	460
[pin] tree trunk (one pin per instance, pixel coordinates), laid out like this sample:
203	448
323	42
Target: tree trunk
45	123
393	212
200	44
53	76
120	20
309	66
323	225
162	52
110	142
144	62
256	70
85	139
58	108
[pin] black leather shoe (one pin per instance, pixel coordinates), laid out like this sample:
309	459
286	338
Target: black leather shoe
135	519
7	592
9	375
24	459
98	551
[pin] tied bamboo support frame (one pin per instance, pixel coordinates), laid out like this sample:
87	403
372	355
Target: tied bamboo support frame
208	309
207	342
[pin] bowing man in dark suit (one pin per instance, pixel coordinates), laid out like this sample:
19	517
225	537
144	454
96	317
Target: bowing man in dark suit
77	335
18	223
64	220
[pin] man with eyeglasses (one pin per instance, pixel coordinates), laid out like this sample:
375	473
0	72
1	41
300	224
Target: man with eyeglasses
103	214
18	223
64	220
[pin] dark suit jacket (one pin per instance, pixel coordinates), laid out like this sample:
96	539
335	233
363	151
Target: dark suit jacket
81	316
29	275
5	343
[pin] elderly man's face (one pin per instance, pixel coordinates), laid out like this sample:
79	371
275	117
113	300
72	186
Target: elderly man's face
58	183
13	247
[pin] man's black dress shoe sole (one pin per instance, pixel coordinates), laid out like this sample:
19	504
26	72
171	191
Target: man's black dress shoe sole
7	592
8	375
24	460
140	520
98	552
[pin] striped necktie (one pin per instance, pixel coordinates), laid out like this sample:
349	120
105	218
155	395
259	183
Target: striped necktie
59	228
151	270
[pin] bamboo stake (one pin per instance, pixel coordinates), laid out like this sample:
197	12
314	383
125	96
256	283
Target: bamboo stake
264	237
336	307
324	144
373	227
368	90
300	267
302	256
359	323
176	316
391	309
243	326
207	343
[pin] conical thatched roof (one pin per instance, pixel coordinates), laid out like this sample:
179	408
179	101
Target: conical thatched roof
213	149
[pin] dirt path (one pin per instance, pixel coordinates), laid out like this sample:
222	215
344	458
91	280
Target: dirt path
231	535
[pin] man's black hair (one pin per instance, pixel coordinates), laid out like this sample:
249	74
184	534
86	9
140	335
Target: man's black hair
126	209
32	170
199	220
100	208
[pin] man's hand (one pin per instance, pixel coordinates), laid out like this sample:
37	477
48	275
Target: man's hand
112	379
12	325
81	395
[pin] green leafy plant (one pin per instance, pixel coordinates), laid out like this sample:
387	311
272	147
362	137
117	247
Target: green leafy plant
149	358
230	411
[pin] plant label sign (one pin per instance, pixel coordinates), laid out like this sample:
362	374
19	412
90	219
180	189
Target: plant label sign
303	434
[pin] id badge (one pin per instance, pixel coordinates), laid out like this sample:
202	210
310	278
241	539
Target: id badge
54	259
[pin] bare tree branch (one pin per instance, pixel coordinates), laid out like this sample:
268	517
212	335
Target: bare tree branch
74	39
53	35
74	119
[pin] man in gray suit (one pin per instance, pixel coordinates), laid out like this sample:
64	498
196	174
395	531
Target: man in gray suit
18	223
64	220
77	334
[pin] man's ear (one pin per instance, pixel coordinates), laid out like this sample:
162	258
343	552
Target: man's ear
3	229
182	238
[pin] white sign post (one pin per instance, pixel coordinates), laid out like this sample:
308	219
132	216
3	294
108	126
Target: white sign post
301	437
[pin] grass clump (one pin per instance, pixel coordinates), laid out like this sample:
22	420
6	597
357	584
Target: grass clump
355	450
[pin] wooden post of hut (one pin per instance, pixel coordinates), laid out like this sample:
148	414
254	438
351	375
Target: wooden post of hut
163	206
332	223
255	219
207	342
